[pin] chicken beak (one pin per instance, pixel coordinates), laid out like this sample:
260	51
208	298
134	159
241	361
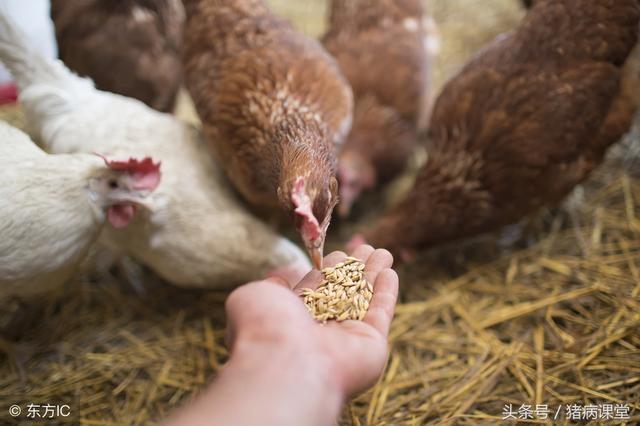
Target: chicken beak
316	256
136	198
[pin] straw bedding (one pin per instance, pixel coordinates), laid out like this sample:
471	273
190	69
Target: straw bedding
550	317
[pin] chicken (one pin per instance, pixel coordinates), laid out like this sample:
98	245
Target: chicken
274	106
196	232
55	205
521	125
130	47
385	48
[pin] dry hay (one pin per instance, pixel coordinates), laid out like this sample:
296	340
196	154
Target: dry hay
479	326
557	323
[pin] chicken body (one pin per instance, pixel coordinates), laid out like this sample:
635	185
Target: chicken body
52	209
273	104
129	47
521	125
196	233
385	49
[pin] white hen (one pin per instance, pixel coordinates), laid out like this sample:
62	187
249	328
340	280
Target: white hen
52	208
196	234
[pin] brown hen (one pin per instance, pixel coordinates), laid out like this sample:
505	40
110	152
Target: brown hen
273	104
129	47
521	125
385	48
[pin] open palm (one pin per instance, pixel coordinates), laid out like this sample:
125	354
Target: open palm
269	313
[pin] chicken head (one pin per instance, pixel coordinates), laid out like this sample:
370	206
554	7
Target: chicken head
123	187
313	215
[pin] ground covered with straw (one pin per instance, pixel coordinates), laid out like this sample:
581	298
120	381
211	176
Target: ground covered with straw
546	314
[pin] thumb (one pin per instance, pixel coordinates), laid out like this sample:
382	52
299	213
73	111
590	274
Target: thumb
279	281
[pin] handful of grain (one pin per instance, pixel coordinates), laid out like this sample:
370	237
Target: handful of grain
344	293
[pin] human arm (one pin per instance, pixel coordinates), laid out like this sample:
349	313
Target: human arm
287	369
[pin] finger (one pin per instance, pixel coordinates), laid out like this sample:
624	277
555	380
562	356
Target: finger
363	252
312	279
332	259
239	302
383	303
251	302
291	273
235	300
231	314
279	281
378	261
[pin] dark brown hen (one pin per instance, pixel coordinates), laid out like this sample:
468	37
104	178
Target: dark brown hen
129	47
274	106
385	50
521	125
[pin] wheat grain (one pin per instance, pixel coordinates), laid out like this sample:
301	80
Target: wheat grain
344	293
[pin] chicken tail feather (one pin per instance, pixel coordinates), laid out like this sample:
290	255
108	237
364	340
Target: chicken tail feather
47	88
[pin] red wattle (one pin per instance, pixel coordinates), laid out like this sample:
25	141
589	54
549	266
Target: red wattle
121	215
8	93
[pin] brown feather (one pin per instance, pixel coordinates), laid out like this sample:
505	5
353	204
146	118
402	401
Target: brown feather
273	103
381	47
521	125
127	47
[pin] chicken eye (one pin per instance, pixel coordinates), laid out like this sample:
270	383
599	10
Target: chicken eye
113	184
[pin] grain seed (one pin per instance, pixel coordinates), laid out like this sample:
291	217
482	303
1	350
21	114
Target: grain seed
344	293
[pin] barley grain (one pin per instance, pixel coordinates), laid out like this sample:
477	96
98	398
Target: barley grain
344	293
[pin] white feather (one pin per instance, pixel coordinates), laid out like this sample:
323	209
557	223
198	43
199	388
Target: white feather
198	234
47	217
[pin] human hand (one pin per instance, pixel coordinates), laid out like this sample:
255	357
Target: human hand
266	318
286	368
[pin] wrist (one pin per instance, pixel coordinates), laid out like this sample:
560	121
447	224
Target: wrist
293	375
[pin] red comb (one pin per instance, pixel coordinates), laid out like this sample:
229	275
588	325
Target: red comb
8	93
310	227
145	173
